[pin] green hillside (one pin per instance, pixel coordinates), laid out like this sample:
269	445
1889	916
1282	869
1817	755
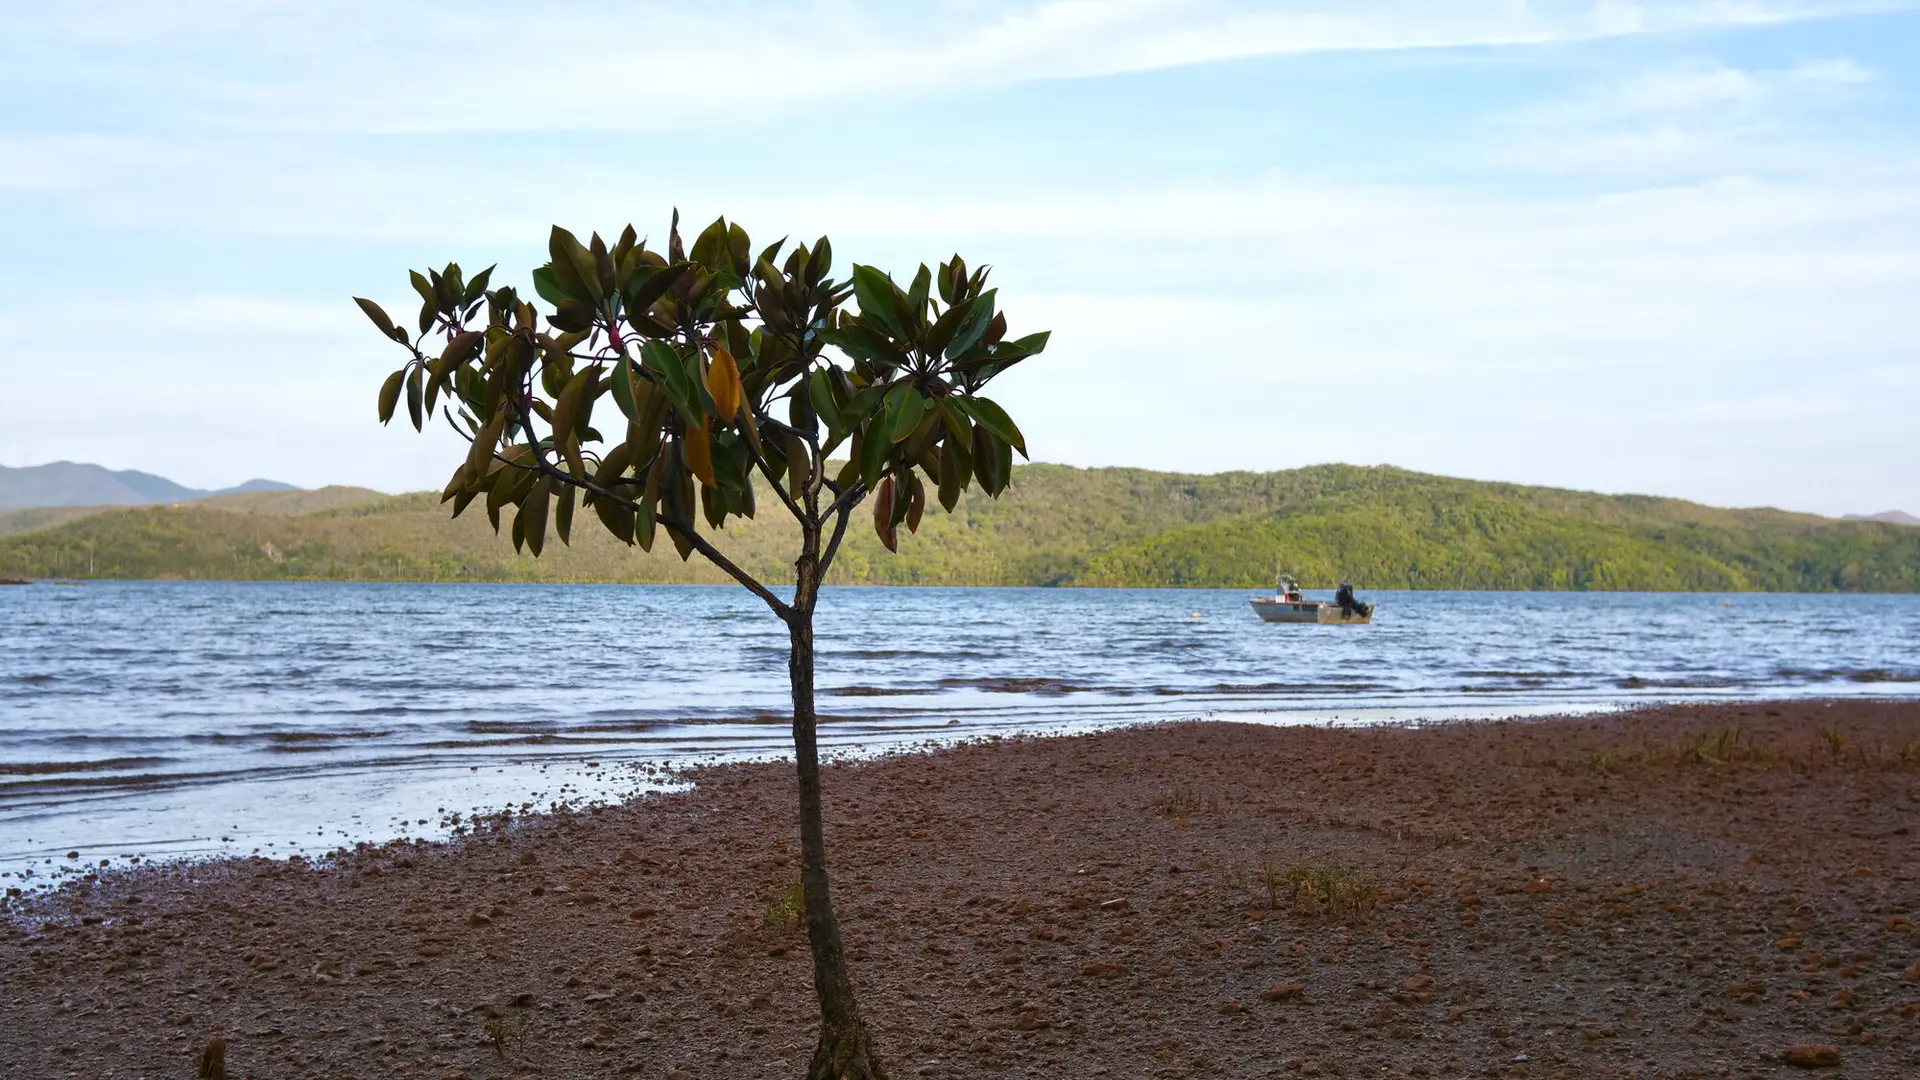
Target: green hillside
1379	527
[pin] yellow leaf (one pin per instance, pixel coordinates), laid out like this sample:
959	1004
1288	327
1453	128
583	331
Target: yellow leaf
723	384
699	453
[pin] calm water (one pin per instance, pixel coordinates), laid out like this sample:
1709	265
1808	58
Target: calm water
144	719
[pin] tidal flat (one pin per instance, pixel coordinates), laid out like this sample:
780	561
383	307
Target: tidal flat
1691	890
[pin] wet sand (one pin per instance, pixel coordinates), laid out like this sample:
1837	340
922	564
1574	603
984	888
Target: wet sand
1676	892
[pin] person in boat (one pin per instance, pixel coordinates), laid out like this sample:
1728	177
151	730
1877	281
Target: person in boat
1286	590
1349	605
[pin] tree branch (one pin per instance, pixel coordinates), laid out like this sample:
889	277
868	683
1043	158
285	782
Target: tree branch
780	607
700	543
766	470
848	499
833	545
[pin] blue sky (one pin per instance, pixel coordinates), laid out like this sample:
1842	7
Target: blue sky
1653	247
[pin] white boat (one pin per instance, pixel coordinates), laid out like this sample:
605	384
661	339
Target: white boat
1287	605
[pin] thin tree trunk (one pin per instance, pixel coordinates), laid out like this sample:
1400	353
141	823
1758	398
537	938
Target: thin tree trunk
845	1050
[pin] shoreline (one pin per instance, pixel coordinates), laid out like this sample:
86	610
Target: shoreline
777	583
1694	887
429	803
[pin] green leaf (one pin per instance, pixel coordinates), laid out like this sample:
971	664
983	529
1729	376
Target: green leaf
532	518
566	407
377	314
865	343
573	316
623	380
955	470
1032	344
865	401
875	292
820	396
905	411
709	248
415	388
739	250
874	449
994	419
643	527
573	264
967	334
547	284
616	517
421	285
648	284
477	287
916	312
959	428
986	460
390	394
563	515
665	362
819	262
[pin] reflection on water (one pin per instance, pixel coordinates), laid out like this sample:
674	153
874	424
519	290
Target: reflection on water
167	718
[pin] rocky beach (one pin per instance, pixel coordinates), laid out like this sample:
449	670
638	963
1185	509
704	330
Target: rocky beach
1697	890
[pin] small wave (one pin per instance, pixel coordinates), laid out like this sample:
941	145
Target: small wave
618	726
1291	688
324	736
541	739
1635	682
1877	675
869	691
42	768
76	783
36	680
1042	687
1858	675
906	654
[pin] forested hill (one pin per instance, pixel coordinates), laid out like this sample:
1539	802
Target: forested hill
1379	527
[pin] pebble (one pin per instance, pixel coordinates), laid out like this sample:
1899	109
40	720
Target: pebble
1812	1056
1284	991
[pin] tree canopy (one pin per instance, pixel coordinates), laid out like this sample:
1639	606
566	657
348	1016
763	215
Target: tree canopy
696	348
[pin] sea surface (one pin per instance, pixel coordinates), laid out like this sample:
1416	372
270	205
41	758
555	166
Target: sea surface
155	720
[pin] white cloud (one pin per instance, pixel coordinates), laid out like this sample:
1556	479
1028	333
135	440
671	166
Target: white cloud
1842	71
1694	119
1649	319
426	65
1709	87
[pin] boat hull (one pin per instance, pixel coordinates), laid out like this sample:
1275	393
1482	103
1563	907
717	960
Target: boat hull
1306	611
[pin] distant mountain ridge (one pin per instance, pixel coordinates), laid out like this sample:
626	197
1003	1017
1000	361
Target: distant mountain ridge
1379	527
70	483
1891	517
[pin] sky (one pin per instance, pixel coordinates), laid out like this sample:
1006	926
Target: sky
1656	247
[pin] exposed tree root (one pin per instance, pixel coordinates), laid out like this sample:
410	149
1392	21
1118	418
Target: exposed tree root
845	1053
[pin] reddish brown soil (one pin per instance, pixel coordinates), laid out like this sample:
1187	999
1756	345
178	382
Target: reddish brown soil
1585	897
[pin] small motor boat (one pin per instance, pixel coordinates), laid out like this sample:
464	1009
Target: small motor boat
1288	605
